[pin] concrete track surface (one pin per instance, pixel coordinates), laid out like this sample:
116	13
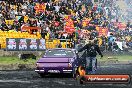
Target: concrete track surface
30	79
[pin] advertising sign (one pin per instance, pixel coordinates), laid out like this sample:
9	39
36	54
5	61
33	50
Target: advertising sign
21	44
33	44
11	44
42	45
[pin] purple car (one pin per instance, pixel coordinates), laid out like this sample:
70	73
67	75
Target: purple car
57	61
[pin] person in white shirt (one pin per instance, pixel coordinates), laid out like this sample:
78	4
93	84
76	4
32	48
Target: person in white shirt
1	14
57	8
38	23
24	12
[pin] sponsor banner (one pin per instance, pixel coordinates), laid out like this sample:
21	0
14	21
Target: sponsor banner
28	28
22	44
69	29
11	44
69	25
33	45
107	78
41	44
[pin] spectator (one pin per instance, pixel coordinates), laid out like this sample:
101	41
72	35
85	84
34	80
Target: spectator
52	18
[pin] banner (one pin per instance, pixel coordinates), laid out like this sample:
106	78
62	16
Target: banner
11	44
106	79
120	25
69	26
29	29
22	44
33	44
39	7
103	31
69	29
41	44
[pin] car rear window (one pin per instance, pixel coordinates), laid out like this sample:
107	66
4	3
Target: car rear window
59	53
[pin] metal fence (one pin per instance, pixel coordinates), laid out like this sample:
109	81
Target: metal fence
23	44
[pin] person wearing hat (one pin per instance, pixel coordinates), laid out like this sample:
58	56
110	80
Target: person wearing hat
91	49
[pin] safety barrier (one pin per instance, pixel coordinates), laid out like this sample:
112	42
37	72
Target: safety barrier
31	44
50	43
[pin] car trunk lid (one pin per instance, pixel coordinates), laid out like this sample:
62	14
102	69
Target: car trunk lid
54	62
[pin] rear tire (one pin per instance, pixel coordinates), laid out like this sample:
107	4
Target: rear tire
80	80
42	75
69	75
76	75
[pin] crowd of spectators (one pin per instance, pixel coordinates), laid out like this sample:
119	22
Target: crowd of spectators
52	19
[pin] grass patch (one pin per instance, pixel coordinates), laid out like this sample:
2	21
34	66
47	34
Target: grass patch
117	57
16	60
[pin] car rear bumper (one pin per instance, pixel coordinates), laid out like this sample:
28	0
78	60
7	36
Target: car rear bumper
54	70
39	70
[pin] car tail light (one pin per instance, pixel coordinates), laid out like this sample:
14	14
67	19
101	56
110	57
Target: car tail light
69	64
37	64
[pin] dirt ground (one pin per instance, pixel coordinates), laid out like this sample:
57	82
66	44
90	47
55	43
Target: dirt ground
30	79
